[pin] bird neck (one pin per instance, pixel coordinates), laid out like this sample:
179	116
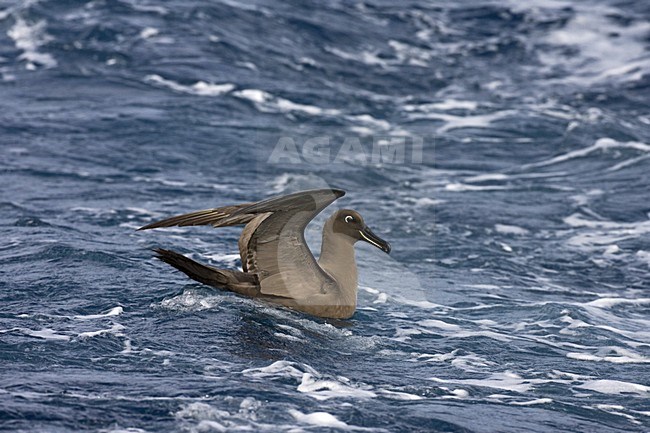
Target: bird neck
337	259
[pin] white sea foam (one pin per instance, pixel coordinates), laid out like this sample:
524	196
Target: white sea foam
487	177
368	120
45	333
439	324
410	54
641	334
603	315
611	302
404	334
618	410
11	242
397	395
30	37
324	389
200	416
171	182
200	410
366	57
312	383
199	88
461	187
279	369
510	229
321	419
452	121
160	180
289	337
505	247
116	330
191	300
427	305
345	336
584	198
125	430
591	30
266	102
148	32
532	402
425	201
602	144
437	357
628	162
128	347
160	10
600	234
456	394
568	377
613	354
116	311
254	95
507	380
471	363
607	386
643	256
291	331
444	105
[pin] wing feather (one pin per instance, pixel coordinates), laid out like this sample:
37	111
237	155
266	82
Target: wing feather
217	217
275	246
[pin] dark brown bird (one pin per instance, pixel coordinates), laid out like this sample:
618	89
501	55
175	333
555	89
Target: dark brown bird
276	261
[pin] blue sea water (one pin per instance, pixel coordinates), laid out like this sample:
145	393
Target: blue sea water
516	298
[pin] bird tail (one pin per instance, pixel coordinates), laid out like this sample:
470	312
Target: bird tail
235	281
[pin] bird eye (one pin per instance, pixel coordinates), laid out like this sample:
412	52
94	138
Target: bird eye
349	219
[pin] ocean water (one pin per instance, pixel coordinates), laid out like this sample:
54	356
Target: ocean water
515	192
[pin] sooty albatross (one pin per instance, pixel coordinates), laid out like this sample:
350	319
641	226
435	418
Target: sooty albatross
277	264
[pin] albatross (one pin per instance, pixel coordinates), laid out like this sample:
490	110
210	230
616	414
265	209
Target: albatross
277	264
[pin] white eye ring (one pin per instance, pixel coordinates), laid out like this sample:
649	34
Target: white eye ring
349	219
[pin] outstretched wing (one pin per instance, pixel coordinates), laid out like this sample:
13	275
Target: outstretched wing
273	245
217	217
